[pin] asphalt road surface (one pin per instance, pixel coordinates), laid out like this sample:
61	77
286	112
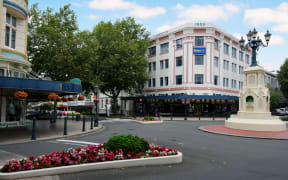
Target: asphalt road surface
205	155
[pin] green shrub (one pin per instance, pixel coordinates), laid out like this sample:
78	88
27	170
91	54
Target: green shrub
112	116
149	118
284	118
127	143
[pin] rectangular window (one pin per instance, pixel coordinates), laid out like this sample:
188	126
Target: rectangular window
166	81
226	65
232	83
199	78
149	83
152	51
216	62
16	74
234	52
234	67
179	43
164	47
154	82
161	81
13	38
13	21
178	79
154	66
8	17
216	43
1	72
215	80
150	67
241	55
166	64
161	64
240	69
7	36
22	75
179	61
199	41
247	58
199	59
227	82
226	48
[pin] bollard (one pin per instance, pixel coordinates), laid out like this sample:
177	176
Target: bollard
185	118
171	116
78	118
65	126
72	117
199	116
33	137
213	114
226	115
91	123
83	128
67	116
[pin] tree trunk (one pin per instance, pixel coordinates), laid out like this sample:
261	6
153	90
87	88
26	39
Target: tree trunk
114	106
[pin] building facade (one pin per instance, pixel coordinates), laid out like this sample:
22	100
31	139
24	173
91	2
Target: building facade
196	59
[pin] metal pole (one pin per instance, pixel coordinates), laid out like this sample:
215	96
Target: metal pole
83	128
91	123
254	61
185	118
213	114
96	115
33	137
199	115
65	126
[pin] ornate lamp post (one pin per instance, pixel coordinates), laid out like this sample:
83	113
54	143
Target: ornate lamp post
96	106
254	42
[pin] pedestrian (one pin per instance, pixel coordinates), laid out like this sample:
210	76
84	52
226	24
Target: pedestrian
108	109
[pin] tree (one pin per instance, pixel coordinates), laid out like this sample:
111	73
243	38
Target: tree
51	44
120	62
283	78
275	98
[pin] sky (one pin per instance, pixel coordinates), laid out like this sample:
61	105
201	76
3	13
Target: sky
236	17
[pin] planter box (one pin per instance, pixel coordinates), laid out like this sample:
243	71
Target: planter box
173	159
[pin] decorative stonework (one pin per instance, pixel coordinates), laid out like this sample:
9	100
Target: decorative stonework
254	105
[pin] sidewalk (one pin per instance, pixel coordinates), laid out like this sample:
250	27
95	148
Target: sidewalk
44	130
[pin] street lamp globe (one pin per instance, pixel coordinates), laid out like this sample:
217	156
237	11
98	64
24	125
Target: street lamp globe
254	33
242	42
249	35
267	36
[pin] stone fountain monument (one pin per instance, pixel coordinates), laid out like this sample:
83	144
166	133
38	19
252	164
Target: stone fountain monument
254	100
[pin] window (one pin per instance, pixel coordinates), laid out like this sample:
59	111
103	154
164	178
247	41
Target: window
216	43
22	75
240	69
226	65
234	67
150	67
161	81
16	74
152	51
241	55
179	61
225	82
233	83
166	64
215	80
226	48
178	79
164	47
179	43
10	31
247	58
199	78
240	85
216	62
154	82
199	59
234	52
154	66
199	41
1	72
166	81
161	64
149	83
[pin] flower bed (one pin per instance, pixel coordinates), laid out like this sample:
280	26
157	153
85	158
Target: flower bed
88	154
141	119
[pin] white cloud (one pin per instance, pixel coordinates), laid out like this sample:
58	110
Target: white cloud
278	17
93	17
179	6
134	9
109	4
163	28
208	12
270	66
145	13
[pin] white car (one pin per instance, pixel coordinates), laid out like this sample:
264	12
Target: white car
282	111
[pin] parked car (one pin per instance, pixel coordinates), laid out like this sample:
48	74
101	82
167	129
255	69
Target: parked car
39	115
282	111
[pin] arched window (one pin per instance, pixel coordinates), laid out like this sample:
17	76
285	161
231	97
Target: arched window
249	99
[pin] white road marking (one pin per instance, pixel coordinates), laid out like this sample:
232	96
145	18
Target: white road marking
76	143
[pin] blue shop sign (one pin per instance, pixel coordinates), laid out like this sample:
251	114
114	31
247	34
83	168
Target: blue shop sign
199	51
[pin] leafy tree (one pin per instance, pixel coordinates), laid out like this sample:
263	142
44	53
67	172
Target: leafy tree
119	61
275	98
283	78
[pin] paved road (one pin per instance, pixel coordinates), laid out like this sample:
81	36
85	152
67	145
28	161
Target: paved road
206	156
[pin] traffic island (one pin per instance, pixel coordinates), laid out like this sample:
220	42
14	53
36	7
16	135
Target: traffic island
118	152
